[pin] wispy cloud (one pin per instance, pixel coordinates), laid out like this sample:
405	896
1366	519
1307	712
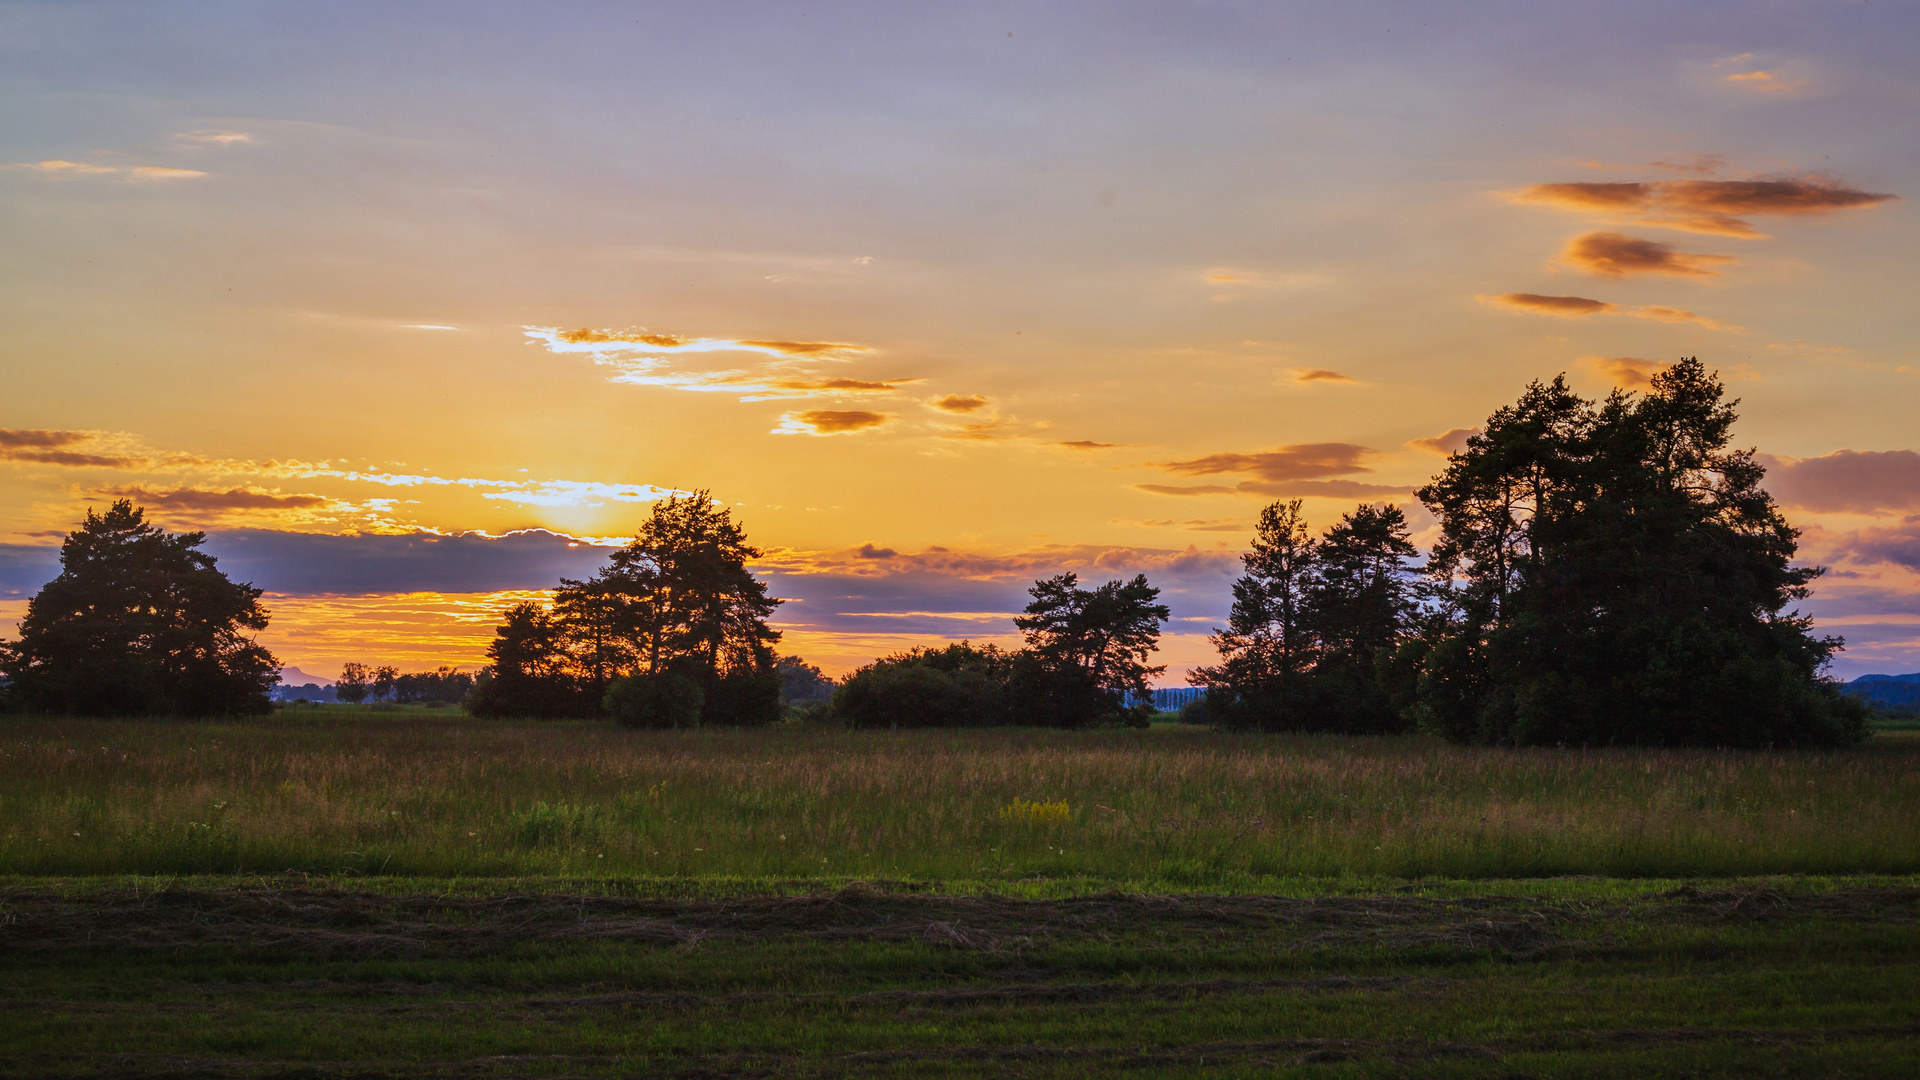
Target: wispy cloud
1450	441
961	403
1189	524
1285	471
647	359
1296	462
1612	254
125	453
214	137
161	172
1750	73
50	447
130	173
1626	372
830	422
216	500
1716	207
1308	375
1574	307
601	342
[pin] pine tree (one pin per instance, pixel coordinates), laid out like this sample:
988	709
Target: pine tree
140	622
1612	573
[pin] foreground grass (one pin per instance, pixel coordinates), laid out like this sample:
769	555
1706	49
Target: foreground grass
393	894
306	977
1159	810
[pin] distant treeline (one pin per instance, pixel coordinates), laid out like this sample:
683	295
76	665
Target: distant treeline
673	633
1605	572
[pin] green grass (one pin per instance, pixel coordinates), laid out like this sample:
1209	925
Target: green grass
414	793
300	977
342	892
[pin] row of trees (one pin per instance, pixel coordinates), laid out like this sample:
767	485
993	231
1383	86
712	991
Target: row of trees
1084	665
441	686
672	632
1606	572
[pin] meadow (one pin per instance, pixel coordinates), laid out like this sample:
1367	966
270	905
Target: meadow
425	794
340	892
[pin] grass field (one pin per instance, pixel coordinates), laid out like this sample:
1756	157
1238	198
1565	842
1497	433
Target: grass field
1167	808
331	893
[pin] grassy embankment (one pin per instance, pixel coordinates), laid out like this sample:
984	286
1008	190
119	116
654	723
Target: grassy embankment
682	905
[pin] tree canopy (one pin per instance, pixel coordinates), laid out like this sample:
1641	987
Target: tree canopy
140	622
1087	649
1315	625
1611	572
678	601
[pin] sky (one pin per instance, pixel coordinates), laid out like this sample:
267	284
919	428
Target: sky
414	308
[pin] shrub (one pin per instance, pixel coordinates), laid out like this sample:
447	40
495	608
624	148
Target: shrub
665	700
742	699
958	686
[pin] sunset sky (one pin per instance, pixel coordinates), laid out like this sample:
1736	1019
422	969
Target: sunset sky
407	305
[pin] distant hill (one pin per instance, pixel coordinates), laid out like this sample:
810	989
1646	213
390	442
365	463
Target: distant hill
293	676
1887	689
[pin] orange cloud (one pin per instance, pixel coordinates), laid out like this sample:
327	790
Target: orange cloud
1085	444
1325	489
1190	524
606	341
638	359
584	336
1564	306
1320	375
1716	207
1187	489
60	168
217	138
1613	254
1626	372
1296	462
1574	307
1451	441
214	500
161	172
1676	315
1847	481
961	403
804	348
41	446
76	168
829	422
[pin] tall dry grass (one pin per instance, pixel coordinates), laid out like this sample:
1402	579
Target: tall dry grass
450	796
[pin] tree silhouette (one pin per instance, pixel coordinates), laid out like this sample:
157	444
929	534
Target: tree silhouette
679	600
1313	625
1087	649
1612	573
140	622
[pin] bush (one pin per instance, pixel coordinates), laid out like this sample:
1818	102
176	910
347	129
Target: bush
665	700
958	686
743	699
1195	712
